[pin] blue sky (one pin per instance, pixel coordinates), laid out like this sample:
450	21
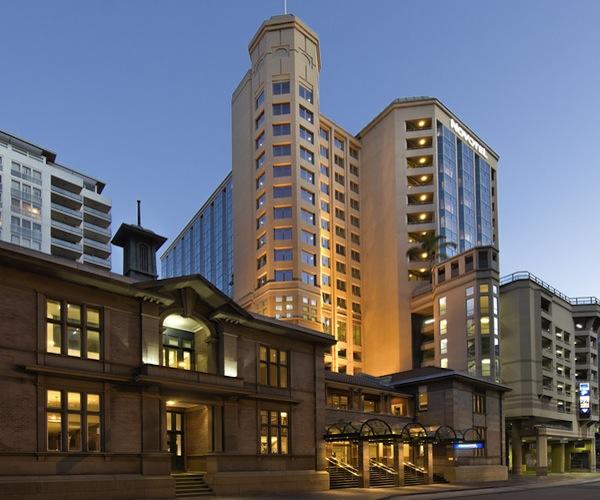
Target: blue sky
137	93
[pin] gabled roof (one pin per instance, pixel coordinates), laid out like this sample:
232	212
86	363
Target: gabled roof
360	379
434	373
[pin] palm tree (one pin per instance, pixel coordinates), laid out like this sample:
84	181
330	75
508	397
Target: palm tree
430	247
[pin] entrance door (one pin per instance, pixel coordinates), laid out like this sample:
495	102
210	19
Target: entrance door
175	438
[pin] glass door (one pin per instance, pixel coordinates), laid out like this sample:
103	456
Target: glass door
175	439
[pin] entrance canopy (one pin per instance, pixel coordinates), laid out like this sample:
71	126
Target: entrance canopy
378	430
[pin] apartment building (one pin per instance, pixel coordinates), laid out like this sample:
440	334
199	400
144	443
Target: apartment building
52	208
205	246
550	361
322	218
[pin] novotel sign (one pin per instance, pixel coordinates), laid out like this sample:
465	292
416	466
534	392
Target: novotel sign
465	136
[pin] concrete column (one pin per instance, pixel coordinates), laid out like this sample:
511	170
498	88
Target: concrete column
399	462
363	463
558	457
541	468
517	449
593	453
428	463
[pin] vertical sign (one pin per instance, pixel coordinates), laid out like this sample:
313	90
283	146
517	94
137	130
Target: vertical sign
584	400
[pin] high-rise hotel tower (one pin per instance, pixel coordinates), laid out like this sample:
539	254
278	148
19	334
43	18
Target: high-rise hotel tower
322	219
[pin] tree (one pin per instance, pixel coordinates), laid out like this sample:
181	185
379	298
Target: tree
430	247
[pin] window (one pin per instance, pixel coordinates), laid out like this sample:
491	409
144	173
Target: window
340	267
282	170
261	261
281	129
325	261
324	188
479	402
356	333
260	161
307	155
260	182
442	304
370	403
339	196
282	150
273	367
354	204
325	242
341	303
259	100
260	140
355	238
341	331
340	285
444	346
262	280
260	222
355	273
354	187
340	249
309	258
324	152
306	114
354	170
354	153
356	290
274	432
308	278
340	214
283	275
307	175
325	225
324	134
305	93
73	421
354	255
307	217
308	238
283	254
280	88
325	170
307	196
339	143
423	401
259	121
282	233
355	221
72	329
260	201
338	160
281	109
282	191
339	178
261	241
443	327
325	206
470	307
282	213
325	280
338	401
307	135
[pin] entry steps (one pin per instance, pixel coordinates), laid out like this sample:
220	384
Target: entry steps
342	475
191	484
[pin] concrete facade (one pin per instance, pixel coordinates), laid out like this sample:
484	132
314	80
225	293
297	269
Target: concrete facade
103	423
52	208
550	350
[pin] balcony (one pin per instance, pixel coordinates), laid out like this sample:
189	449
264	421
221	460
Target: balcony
97	261
26	196
66	215
66	232
26	232
67	249
65	193
96	248
96	232
97	217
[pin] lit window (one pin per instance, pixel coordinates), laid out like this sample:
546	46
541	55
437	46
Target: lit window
306	114
443	327
442	304
273	369
74	330
274	433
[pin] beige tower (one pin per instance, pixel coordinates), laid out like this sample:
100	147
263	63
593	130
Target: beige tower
296	209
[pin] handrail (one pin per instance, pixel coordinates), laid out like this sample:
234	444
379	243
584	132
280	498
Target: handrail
526	275
343	465
381	466
410	465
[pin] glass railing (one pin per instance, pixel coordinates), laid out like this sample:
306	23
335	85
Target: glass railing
96	229
26	232
68	211
65	192
66	227
24	195
97	213
92	259
67	244
96	244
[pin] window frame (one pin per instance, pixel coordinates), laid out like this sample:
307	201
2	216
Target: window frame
279	366
266	430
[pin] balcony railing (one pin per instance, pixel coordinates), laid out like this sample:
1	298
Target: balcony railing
92	259
24	195
97	213
66	227
76	247
25	232
25	177
65	192
69	211
96	244
96	229
525	275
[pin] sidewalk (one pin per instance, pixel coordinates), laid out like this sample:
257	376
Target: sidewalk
433	491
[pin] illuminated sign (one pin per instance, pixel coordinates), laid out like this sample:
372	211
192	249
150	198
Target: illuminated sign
473	445
465	136
584	400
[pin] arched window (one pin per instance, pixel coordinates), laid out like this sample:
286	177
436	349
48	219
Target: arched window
185	344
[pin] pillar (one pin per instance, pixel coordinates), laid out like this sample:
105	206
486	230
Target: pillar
517	449
363	463
399	461
593	453
558	457
541	468
428	463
